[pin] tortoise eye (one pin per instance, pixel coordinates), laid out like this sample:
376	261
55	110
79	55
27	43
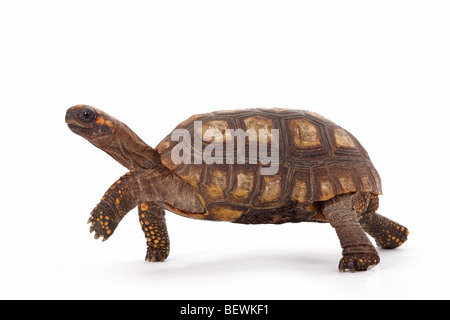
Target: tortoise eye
88	115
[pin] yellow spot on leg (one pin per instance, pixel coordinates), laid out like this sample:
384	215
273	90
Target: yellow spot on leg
117	201
144	206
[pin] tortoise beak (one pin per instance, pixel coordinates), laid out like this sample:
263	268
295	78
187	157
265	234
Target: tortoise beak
72	117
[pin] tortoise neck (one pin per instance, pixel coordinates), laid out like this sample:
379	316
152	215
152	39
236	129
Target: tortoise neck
128	149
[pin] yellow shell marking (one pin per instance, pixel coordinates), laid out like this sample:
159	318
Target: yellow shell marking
305	134
343	140
217	184
258	123
244	185
226	213
272	189
347	183
326	189
300	191
210	128
192	176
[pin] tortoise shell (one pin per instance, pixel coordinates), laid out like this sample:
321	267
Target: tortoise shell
317	161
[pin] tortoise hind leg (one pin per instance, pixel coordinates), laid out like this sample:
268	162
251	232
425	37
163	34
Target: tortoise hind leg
388	234
153	223
358	252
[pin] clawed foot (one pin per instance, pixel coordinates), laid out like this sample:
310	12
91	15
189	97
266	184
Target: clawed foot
358	261
153	224
397	236
156	254
102	224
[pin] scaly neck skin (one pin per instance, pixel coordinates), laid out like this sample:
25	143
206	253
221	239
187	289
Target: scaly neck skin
127	148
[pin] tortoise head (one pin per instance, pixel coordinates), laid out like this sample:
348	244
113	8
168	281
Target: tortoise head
90	123
112	136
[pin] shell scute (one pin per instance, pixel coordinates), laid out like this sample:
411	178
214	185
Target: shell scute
300	187
217	183
272	189
244	180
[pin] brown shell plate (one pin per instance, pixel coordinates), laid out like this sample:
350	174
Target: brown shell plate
317	161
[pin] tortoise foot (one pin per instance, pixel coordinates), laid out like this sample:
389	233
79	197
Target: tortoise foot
388	234
358	261
156	254
394	239
102	222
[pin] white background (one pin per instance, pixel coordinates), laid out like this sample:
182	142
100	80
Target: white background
380	69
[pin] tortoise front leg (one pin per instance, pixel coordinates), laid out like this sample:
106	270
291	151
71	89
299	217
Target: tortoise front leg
153	223
120	198
157	185
358	252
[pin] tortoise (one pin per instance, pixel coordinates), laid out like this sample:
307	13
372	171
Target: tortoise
321	174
